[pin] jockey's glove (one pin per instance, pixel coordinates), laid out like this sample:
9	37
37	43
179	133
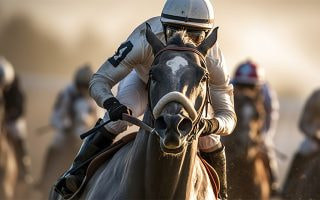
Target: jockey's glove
210	126
115	109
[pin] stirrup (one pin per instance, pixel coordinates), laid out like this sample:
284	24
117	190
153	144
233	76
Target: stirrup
60	188
73	182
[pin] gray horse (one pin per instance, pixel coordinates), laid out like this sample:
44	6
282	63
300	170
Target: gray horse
164	165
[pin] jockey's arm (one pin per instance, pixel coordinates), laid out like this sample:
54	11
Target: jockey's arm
271	107
309	122
221	93
135	52
104	79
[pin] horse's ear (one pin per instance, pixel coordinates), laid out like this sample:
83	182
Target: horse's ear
152	39
208	42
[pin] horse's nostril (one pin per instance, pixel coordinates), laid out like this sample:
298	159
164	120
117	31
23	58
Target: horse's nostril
160	123
185	126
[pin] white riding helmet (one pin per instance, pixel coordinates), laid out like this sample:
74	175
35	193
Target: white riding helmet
6	72
190	13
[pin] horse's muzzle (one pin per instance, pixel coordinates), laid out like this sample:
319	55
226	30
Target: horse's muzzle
173	129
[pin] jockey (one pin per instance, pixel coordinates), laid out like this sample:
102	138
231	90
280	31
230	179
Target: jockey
69	120
14	121
63	116
251	76
130	66
309	149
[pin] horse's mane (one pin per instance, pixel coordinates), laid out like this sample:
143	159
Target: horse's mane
181	39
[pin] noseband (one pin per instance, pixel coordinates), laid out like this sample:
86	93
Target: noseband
207	99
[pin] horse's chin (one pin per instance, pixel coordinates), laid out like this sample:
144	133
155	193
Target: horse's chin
171	151
172	144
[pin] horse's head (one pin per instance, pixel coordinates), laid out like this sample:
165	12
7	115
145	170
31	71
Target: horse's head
178	88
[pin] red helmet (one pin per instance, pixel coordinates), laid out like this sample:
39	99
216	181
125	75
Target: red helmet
249	73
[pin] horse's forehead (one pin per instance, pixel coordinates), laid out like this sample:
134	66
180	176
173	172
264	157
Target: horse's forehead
176	63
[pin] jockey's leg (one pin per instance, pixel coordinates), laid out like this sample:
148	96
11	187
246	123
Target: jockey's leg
308	150
213	151
132	93
271	165
92	145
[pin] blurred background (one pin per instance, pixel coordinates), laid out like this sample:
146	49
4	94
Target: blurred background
46	40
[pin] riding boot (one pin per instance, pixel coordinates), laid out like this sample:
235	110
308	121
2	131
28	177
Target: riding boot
71	180
217	159
298	164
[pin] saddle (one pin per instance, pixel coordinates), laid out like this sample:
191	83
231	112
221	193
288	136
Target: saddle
110	151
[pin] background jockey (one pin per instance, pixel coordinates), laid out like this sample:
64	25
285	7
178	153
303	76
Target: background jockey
251	76
130	66
74	113
309	149
14	122
65	114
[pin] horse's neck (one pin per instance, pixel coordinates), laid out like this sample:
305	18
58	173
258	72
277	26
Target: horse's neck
164	175
169	174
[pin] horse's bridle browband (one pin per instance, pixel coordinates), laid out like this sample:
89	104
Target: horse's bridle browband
173	48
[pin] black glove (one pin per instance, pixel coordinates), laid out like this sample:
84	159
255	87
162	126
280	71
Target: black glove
115	109
210	126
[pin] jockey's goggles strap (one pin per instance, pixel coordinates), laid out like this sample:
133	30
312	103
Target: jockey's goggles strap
194	50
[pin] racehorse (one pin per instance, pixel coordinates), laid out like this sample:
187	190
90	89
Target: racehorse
305	184
164	164
65	145
247	176
309	185
8	169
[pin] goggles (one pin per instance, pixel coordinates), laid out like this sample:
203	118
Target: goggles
196	35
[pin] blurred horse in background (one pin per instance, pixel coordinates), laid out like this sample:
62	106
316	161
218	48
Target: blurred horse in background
305	184
8	164
65	145
309	185
246	172
8	169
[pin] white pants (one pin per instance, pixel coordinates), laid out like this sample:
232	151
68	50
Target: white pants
132	92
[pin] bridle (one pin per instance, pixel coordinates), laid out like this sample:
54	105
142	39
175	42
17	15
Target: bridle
207	100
